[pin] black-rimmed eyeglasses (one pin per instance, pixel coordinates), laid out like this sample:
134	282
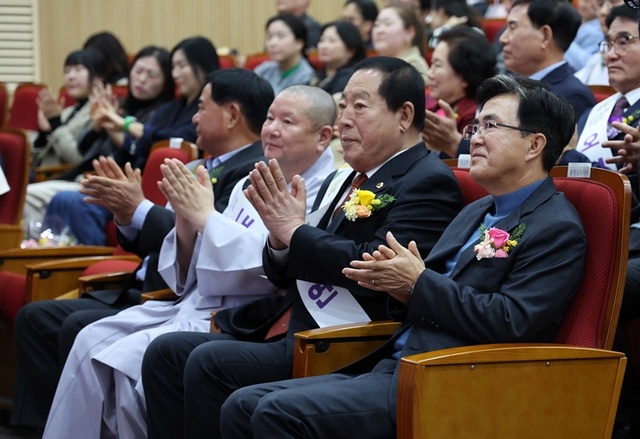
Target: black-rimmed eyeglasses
620	44
470	130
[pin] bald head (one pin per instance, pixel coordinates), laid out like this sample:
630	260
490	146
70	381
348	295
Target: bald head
317	105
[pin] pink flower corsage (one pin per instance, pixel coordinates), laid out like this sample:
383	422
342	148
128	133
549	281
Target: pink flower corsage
497	243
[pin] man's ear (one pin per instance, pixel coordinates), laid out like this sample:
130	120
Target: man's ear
536	146
325	134
406	113
233	114
547	36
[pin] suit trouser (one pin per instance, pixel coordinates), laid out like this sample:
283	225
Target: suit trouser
194	373
44	334
328	406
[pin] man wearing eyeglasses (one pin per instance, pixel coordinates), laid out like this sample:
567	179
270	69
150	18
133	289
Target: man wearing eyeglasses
622	56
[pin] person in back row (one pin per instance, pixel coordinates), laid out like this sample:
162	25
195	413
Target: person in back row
60	128
398	33
461	61
115	55
150	86
362	14
285	41
537	35
191	60
339	49
299	8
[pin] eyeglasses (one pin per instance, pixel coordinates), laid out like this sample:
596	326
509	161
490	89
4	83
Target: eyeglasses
469	131
620	44
632	4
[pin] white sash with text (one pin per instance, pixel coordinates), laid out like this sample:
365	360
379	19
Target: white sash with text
595	132
329	305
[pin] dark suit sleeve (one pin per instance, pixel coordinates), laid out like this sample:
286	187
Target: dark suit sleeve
426	202
226	183
582	120
519	298
582	102
235	169
157	224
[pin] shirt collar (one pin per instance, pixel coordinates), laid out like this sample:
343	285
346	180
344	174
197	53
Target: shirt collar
214	162
544	72
505	204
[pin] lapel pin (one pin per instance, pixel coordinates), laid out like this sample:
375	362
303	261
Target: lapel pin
379	185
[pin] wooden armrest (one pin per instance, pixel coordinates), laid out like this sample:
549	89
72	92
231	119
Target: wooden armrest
166	294
509	390
10	236
103	281
49	279
75	263
324	350
44	173
16	259
368	329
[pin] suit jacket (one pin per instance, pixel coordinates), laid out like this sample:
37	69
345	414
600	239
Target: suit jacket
563	83
160	220
427	199
521	298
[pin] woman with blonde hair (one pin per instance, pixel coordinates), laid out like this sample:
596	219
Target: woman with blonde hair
398	33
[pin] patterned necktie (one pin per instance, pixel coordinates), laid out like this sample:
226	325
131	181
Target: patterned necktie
616	115
357	182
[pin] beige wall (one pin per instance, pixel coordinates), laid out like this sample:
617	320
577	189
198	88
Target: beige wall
65	24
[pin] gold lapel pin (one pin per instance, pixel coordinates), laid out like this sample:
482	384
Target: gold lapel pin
379	185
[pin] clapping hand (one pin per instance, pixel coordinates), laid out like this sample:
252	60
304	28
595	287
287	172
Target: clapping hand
281	211
394	269
118	191
104	108
191	198
48	104
628	148
441	133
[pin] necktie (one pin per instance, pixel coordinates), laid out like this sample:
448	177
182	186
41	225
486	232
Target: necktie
280	326
357	182
616	114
